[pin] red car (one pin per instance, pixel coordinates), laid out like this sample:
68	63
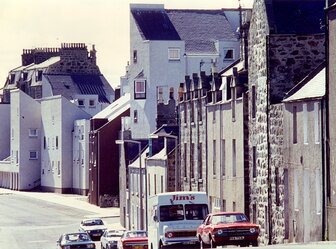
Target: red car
136	239
227	228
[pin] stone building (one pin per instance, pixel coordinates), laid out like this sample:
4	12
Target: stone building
193	132
304	115
286	43
331	133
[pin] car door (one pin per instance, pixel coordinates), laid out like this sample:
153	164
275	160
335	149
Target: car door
207	229
203	229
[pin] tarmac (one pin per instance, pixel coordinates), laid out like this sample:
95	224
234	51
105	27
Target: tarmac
69	200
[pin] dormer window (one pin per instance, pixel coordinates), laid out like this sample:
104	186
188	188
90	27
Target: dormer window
228	54
12	79
24	76
92	103
38	75
173	54
135	56
81	102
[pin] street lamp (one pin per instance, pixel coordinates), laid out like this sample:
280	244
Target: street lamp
166	135
121	142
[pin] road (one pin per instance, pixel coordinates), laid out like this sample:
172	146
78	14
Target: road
30	223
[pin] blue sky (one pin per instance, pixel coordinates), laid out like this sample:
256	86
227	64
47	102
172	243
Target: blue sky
28	24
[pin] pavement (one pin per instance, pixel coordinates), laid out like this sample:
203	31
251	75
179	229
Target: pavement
70	200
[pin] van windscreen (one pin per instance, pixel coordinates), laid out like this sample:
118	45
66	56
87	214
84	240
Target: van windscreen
196	211
171	212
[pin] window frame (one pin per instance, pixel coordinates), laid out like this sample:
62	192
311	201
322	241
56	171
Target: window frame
171	54
36	155
31	134
138	94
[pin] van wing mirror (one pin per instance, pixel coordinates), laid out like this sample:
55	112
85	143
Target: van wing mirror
155	218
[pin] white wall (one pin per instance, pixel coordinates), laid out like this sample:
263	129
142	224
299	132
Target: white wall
80	168
25	115
4	131
58	117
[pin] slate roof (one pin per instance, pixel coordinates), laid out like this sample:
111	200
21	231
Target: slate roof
296	16
115	109
200	28
70	85
154	24
311	87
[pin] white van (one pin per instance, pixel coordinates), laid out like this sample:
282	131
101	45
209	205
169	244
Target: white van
173	218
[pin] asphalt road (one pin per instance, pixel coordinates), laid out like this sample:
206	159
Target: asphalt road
29	223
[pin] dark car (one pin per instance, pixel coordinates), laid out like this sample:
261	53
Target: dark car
110	238
227	228
78	240
94	227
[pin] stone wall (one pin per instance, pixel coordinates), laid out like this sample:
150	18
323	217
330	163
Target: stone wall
75	59
276	166
291	58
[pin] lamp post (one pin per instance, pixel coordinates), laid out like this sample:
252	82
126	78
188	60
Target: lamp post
121	142
166	135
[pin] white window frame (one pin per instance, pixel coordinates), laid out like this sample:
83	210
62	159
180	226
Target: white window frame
225	51
174	54
31	157
139	92
33	132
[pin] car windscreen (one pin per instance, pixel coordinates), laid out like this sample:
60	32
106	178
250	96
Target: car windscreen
93	223
171	213
229	218
196	211
77	237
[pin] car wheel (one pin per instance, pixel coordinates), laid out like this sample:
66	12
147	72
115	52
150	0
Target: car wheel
101	246
161	246
212	243
255	243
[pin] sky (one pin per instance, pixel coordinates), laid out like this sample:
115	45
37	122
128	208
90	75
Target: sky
26	24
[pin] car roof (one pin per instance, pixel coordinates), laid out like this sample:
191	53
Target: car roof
225	213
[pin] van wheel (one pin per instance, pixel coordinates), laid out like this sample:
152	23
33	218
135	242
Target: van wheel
161	245
151	245
255	243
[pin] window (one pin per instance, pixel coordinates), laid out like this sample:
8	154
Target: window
305	124
81	102
223	157
318	190
277	186
185	105
234	206
234	158
296	190
254	161
17	156
228	54
149	184
214	158
154	184
44	142
33	155
58	168
192	151
173	54
56	142
140	89
33	132
12	79
38	75
199	110
294	124
254	97
92	103
185	159
24	75
254	213
192	113
214	116
135	56
317	122
135	116
200	172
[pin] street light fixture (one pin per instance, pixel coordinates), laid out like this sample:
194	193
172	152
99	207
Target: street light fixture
167	135
121	142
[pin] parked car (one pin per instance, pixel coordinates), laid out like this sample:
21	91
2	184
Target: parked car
110	238
227	228
94	227
134	239
75	240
